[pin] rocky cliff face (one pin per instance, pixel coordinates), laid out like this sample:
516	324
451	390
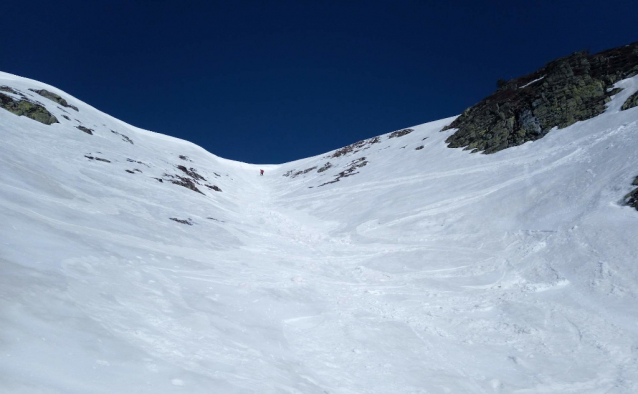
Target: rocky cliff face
565	91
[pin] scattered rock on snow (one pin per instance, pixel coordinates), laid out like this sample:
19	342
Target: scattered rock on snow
400	133
356	147
85	129
182	181
191	172
293	173
349	171
97	158
54	97
124	138
214	187
183	221
324	167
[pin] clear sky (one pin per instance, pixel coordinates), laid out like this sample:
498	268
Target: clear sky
274	81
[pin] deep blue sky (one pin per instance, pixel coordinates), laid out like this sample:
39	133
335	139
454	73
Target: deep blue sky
274	81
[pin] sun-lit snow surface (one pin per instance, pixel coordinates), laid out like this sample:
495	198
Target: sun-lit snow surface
429	271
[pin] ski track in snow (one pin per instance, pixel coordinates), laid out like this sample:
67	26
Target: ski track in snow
429	271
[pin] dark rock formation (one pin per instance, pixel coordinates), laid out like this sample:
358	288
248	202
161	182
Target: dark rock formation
631	199
138	162
349	171
356	147
85	129
324	167
97	158
191	173
8	89
419	147
183	221
24	107
182	181
631	102
400	133
566	90
54	97
293	173
124	138
214	187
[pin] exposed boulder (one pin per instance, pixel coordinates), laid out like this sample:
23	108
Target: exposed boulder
24	107
54	97
631	102
565	91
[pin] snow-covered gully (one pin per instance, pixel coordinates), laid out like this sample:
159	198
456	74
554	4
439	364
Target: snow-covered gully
424	270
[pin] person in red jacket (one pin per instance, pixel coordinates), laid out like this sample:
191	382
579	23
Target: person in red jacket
261	172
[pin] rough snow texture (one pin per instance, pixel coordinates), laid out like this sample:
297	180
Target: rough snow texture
425	271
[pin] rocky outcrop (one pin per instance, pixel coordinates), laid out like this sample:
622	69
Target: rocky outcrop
356	147
24	107
54	97
631	102
400	133
565	91
631	199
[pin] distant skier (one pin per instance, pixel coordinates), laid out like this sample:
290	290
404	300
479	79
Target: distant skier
261	172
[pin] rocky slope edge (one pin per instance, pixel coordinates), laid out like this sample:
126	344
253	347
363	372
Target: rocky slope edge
565	91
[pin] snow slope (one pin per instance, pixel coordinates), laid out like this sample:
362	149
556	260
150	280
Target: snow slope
426	270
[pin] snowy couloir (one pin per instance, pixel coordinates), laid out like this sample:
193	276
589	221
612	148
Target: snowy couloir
133	262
